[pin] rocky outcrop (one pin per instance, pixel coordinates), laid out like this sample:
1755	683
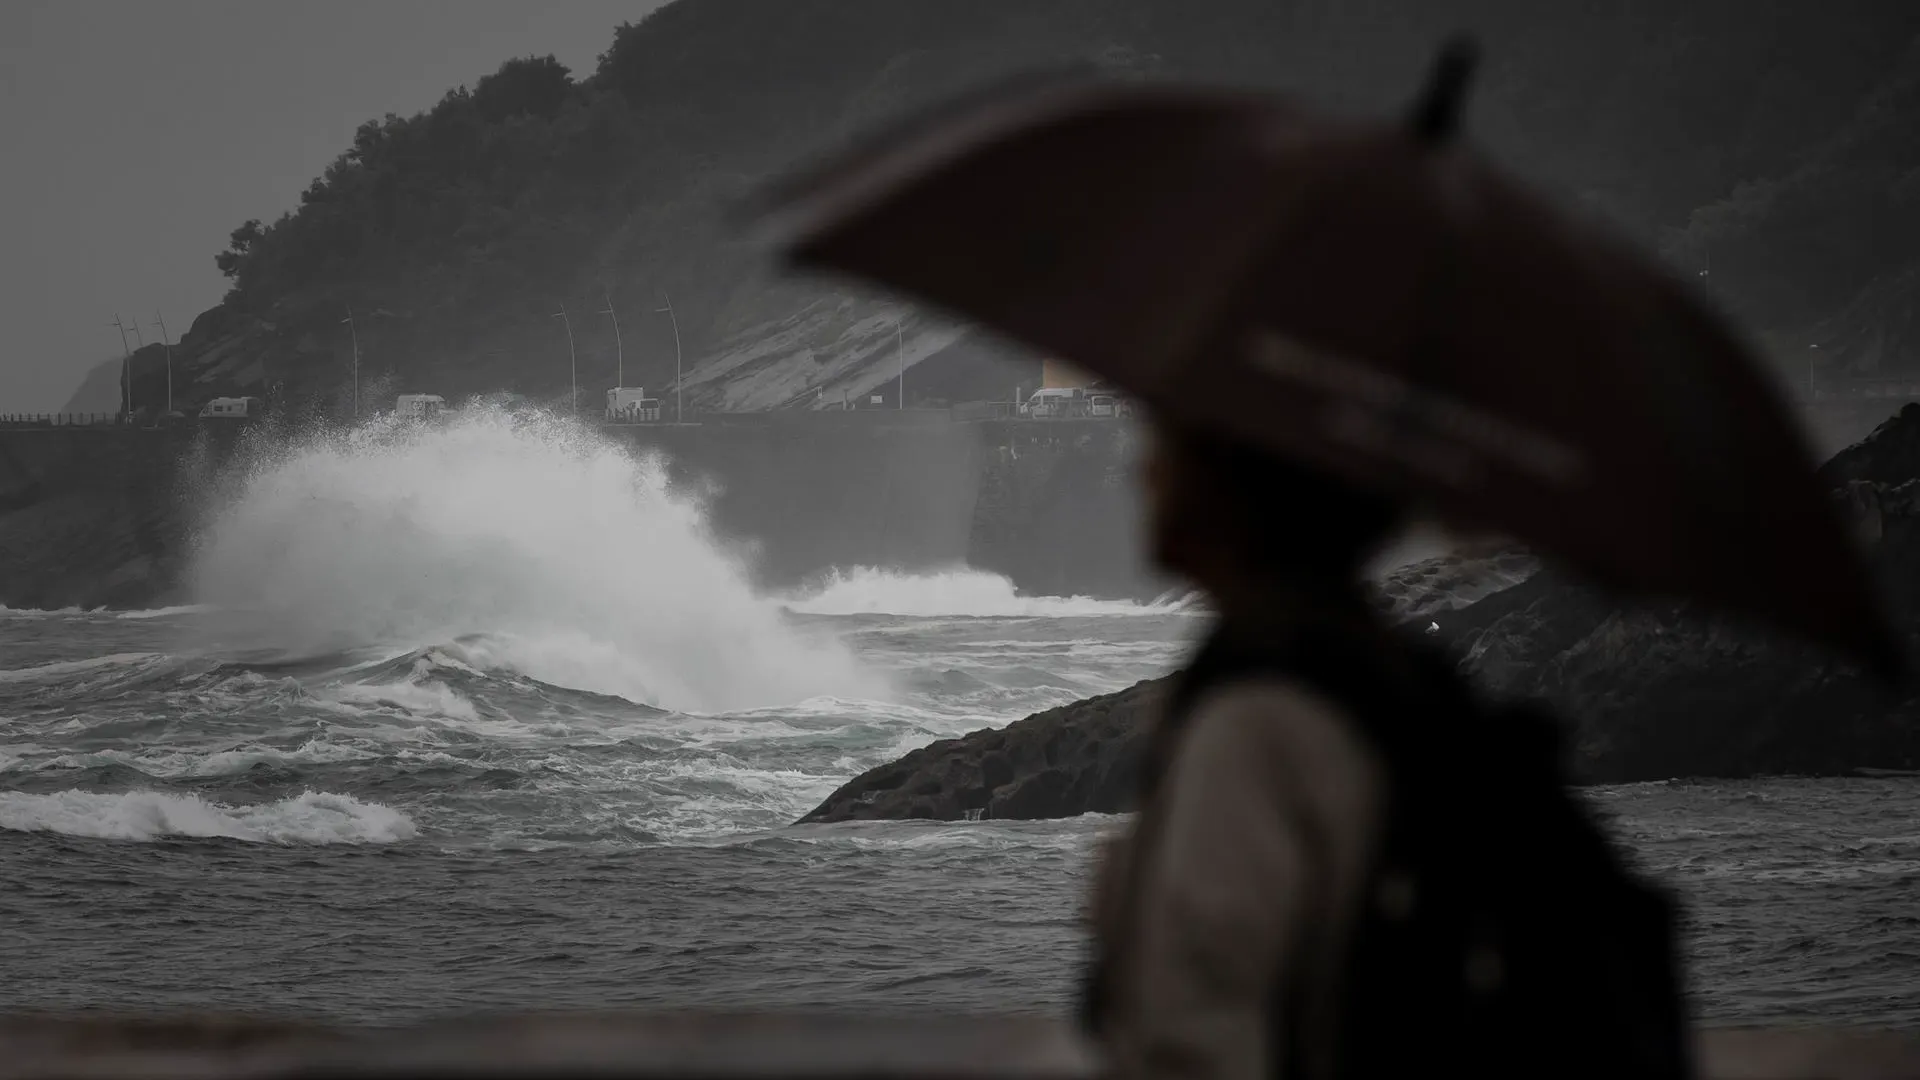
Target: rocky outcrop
1084	757
1647	692
1080	758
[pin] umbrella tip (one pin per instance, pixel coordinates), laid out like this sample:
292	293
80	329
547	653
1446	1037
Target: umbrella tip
1437	115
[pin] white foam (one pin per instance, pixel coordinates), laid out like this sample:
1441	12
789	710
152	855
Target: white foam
60	669
959	592
310	818
426	697
567	551
316	751
165	612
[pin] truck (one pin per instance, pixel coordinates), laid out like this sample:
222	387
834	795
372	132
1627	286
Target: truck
631	405
231	408
419	406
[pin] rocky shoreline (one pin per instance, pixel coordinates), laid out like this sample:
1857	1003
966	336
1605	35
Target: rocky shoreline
1648	692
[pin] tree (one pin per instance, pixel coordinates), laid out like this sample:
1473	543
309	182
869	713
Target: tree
531	86
239	244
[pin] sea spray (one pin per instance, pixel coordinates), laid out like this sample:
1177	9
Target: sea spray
958	591
569	555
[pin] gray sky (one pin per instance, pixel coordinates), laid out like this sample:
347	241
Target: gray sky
137	134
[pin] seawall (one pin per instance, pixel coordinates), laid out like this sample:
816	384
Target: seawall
99	516
1048	504
104	516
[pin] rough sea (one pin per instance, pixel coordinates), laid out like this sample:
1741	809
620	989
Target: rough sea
481	719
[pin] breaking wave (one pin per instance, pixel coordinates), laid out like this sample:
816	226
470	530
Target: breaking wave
963	592
574	558
315	817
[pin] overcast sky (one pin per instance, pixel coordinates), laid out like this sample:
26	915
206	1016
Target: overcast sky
135	135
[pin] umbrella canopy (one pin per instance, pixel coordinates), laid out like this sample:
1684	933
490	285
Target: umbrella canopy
1370	298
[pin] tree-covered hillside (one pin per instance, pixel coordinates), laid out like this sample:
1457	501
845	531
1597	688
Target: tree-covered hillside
1771	141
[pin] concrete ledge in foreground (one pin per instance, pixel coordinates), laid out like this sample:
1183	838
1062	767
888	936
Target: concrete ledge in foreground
719	1046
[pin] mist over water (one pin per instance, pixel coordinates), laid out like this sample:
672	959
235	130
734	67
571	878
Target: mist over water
572	558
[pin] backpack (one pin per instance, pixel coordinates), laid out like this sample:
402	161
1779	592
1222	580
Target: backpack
1504	935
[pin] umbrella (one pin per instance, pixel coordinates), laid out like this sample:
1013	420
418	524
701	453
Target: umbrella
1368	297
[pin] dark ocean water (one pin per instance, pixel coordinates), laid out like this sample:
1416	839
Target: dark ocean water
433	745
381	841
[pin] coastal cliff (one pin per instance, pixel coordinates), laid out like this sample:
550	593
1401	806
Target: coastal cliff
1648	692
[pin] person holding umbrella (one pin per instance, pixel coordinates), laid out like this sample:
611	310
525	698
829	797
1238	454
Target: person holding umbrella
1345	863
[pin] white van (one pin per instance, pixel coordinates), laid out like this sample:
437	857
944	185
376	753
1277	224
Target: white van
419	406
230	408
631	405
1054	402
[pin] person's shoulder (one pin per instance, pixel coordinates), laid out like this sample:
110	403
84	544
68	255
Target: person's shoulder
1268	704
1278	722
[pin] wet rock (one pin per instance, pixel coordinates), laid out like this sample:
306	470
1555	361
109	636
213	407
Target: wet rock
1648	692
1085	757
1078	759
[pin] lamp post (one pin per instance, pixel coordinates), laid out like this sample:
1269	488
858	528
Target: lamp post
126	372
900	348
354	331
619	351
161	322
679	417
573	362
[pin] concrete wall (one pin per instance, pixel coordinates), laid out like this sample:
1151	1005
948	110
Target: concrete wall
1059	510
97	516
810	491
1049	505
740	1046
104	515
93	516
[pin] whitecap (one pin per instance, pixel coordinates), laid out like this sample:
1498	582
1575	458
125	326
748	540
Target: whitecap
315	817
165	612
61	669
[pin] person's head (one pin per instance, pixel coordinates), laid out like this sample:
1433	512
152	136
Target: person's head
1234	520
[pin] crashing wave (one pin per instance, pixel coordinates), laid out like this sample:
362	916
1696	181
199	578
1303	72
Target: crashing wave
571	555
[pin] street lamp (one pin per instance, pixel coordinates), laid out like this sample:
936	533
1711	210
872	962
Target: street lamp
161	322
355	332
679	417
619	352
126	372
573	362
